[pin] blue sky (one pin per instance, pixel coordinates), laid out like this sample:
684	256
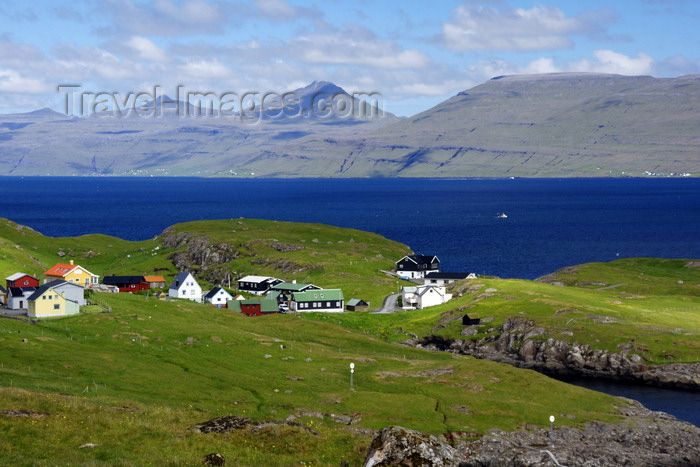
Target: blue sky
415	53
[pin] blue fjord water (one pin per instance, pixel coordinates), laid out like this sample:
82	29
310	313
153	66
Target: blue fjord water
550	223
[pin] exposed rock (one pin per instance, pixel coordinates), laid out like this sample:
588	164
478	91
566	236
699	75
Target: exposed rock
395	445
646	438
520	343
214	459
285	247
23	413
199	254
223	424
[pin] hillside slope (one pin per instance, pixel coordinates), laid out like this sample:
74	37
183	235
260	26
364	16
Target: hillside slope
218	252
550	125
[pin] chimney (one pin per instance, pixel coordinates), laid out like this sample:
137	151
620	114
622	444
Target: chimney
71	262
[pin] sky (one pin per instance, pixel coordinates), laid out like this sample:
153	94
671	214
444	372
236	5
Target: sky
415	54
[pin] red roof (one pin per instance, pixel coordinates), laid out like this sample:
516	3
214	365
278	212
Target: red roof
60	269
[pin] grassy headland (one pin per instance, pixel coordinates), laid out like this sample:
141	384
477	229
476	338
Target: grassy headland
124	387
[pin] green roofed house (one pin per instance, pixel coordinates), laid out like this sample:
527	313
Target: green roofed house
323	300
357	304
293	287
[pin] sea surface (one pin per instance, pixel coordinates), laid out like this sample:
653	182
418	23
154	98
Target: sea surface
550	223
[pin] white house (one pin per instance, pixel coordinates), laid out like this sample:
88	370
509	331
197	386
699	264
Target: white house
186	286
218	297
424	296
70	290
17	298
417	266
257	285
446	278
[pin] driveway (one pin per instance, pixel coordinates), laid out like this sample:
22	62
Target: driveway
389	305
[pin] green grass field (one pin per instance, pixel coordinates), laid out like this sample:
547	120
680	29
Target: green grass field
653	304
134	380
125	387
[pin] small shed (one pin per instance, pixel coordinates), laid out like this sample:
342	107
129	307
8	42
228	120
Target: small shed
357	304
467	321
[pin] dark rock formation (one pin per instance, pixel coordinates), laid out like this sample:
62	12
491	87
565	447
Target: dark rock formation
520	343
646	439
395	445
200	255
214	459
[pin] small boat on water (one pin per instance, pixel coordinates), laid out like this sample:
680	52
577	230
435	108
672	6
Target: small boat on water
502	215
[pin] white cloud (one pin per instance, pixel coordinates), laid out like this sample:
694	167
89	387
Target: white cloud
355	46
608	61
516	29
166	17
279	9
13	81
146	49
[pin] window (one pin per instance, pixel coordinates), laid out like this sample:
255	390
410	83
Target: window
43	297
57	306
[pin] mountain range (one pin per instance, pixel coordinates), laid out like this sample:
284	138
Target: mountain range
548	125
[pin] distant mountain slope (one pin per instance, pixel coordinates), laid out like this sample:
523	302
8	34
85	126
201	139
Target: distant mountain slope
552	125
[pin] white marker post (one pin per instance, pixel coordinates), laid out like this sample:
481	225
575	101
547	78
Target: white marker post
352	370
551	430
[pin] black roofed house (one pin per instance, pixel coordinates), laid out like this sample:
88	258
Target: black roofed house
257	285
185	286
446	278
218	297
17	297
417	266
127	283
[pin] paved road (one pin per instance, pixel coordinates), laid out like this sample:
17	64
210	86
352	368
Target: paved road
389	305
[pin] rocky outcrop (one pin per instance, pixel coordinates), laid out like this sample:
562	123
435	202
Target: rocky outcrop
200	255
395	445
646	438
520	343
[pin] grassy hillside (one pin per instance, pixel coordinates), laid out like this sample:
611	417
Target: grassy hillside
330	257
132	382
652	304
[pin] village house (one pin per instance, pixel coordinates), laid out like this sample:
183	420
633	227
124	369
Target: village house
254	306
3	295
323	300
155	282
257	285
424	296
47	302
284	291
72	273
357	304
21	280
17	297
127	283
417	266
218	297
69	290
446	278
185	286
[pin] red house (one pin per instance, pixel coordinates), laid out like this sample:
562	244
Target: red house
255	307
21	280
127	283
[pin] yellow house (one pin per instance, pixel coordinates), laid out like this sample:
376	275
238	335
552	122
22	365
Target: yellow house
72	273
46	302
